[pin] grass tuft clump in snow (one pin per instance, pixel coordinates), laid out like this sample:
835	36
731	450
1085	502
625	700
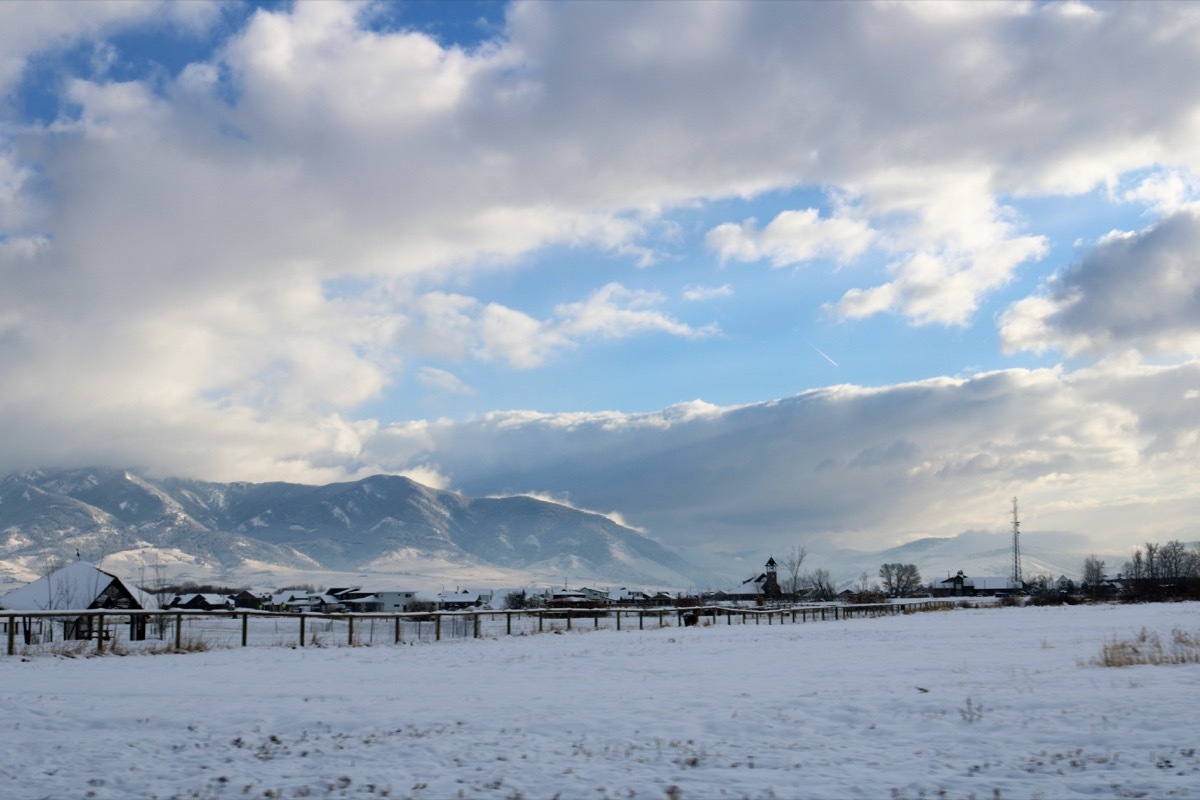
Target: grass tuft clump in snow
1148	648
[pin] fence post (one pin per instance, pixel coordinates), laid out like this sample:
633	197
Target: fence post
437	627
178	631
98	627
477	626
397	630
541	621
12	635
350	635
245	627
568	619
302	630
641	620
508	623
618	619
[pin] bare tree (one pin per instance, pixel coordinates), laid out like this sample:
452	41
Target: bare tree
864	583
1135	568
1093	574
1191	564
821	584
900	580
1152	566
1172	559
793	562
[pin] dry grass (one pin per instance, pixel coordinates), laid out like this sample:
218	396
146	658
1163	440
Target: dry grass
1148	648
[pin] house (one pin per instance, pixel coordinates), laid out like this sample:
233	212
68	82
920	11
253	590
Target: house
458	601
962	586
757	589
596	595
80	586
397	599
629	597
202	602
251	600
350	598
295	600
566	597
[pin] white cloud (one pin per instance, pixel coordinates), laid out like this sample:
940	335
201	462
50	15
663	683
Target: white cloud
614	312
957	245
27	29
793	237
1165	191
1110	451
695	294
442	381
456	326
1138	291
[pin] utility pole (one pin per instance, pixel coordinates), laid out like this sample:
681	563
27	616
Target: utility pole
1016	565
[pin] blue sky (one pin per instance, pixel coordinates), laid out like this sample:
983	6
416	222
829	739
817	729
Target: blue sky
739	274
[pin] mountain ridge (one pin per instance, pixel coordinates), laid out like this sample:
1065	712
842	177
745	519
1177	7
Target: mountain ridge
374	524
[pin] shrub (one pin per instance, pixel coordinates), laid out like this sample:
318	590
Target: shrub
1148	648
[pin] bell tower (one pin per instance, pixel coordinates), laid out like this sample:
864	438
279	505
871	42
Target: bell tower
770	588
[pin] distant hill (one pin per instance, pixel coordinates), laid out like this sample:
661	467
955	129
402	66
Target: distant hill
976	553
270	533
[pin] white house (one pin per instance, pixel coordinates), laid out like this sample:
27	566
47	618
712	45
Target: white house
960	585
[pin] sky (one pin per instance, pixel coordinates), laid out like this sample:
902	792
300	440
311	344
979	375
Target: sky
741	275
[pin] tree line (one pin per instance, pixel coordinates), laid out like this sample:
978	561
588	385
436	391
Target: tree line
898	580
1154	572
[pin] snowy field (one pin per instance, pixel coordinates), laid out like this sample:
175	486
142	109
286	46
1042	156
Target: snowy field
982	703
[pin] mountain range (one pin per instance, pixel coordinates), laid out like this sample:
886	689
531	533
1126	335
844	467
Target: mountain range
380	528
390	530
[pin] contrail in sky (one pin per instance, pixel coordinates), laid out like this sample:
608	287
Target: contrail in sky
827	358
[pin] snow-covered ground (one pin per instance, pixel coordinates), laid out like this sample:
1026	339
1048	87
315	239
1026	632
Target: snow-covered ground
982	703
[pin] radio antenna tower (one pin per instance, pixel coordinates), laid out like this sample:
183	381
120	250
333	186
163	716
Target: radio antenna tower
1016	569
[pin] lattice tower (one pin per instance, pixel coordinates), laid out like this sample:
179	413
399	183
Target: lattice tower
1016	565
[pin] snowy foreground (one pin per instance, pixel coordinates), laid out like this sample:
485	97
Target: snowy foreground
979	703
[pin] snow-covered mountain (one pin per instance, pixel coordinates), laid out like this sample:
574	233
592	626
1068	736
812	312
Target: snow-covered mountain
975	553
384	525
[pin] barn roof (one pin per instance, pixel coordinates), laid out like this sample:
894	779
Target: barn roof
74	587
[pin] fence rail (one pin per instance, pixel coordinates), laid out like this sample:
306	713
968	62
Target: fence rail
31	632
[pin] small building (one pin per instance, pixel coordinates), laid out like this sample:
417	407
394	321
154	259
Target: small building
202	602
80	586
761	587
629	597
460	601
397	599
251	600
961	585
295	600
596	595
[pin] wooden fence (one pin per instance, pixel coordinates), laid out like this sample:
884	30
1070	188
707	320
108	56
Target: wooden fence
125	631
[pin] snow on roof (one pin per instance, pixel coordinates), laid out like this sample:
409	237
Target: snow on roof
461	597
210	599
74	587
985	583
